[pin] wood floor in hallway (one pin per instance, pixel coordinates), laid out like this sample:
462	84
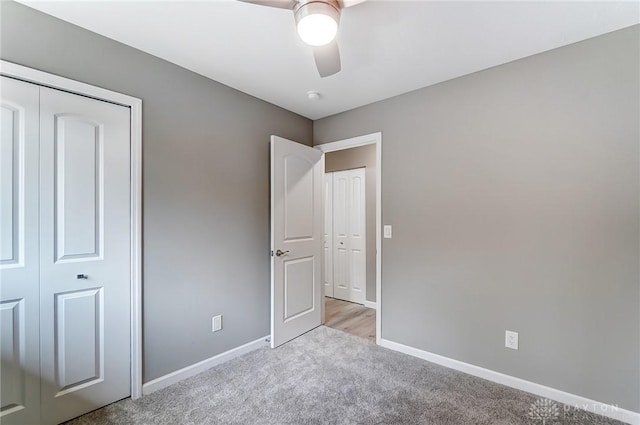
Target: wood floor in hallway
352	318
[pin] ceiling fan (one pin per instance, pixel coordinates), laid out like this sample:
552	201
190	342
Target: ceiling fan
317	23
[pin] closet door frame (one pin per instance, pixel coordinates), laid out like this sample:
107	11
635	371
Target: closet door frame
19	72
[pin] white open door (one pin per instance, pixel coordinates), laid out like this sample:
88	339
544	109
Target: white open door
296	239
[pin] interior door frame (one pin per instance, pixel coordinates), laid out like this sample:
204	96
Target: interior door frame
354	142
30	75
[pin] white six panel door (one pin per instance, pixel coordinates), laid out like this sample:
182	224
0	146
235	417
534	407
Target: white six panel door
19	263
84	254
349	235
296	239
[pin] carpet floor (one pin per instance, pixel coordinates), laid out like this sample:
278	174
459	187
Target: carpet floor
330	377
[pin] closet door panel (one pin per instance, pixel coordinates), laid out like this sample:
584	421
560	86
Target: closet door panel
328	234
19	263
357	236
78	161
341	235
85	254
349	238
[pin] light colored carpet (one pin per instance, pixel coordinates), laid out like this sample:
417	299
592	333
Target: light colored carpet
330	377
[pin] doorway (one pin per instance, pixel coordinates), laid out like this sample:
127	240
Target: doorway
355	163
296	209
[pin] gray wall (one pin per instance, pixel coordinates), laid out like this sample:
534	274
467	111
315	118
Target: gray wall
347	159
513	193
514	198
206	185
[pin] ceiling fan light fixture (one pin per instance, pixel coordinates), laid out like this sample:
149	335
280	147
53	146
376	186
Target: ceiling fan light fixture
317	22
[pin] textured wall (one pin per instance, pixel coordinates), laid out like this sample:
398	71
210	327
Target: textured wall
206	185
363	156
514	197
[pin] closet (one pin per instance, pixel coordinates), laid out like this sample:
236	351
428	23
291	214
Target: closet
65	253
345	258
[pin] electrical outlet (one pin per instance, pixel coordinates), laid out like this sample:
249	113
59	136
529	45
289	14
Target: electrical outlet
511	340
216	323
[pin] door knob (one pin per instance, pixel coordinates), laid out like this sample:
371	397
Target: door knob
281	253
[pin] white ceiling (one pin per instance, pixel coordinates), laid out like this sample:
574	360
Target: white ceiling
387	47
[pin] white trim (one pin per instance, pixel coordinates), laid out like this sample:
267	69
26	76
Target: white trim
41	78
196	368
50	80
354	142
371	304
136	249
572	400
272	238
323	311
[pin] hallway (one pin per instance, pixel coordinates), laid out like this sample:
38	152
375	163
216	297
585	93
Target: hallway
351	318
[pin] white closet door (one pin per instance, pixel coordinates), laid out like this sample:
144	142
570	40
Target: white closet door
340	236
84	254
328	234
19	264
349	224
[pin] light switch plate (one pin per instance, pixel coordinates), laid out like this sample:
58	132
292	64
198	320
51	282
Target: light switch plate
388	231
216	323
511	340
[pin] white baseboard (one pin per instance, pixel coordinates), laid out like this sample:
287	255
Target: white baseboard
371	304
194	369
572	400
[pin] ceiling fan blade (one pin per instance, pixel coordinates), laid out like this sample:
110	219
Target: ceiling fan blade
327	59
349	3
280	4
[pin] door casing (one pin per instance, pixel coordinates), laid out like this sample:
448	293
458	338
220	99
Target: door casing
19	72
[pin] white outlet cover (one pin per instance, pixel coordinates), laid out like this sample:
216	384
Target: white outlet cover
388	231
511	340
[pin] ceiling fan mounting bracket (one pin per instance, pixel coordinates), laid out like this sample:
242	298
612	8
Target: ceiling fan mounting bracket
332	3
310	7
